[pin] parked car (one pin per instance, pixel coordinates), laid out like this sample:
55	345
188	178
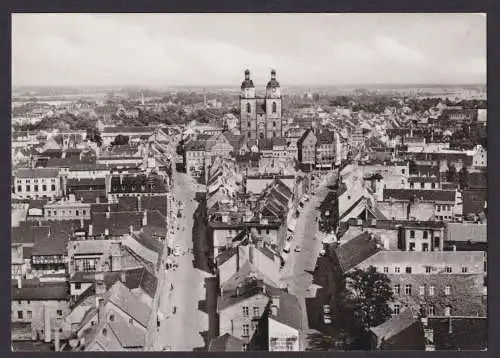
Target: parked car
306	198
298	248
322	253
327	308
327	319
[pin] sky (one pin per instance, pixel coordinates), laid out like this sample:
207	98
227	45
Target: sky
215	49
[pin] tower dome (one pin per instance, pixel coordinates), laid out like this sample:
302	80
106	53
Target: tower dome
247	83
273	83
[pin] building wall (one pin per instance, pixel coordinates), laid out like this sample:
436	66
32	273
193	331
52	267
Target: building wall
232	319
415	239
38	311
67	211
88	174
76	292
48	187
279	333
421	211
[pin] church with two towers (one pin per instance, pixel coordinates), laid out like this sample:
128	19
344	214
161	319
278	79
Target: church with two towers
260	117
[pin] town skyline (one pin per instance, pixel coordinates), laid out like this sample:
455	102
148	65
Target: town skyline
345	49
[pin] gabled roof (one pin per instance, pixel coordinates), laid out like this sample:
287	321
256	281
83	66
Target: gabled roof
396	324
355	251
37	173
35	290
226	343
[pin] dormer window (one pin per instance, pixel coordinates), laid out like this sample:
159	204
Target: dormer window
274	103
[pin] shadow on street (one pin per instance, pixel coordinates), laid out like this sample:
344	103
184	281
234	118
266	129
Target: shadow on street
209	306
201	245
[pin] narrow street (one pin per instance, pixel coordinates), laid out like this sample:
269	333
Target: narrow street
183	327
299	267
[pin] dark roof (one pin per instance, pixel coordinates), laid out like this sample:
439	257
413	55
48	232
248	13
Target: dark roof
261	108
247	84
325	137
466	232
37	173
289	311
195	145
467	333
86	183
125	130
26	233
355	251
90	196
303	137
474	200
226	343
278	141
418	179
35	290
127	203
425	195
137	184
272	83
135	278
394	325
50	246
37	204
226	255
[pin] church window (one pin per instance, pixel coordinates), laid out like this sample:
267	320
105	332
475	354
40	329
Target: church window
274	107
249	109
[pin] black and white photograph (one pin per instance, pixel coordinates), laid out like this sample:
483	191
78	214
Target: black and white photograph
223	182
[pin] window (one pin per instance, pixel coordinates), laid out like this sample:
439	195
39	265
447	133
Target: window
84	212
274	134
431	290
447	269
244	347
402	171
432	311
396	269
53	187
422	290
396	309
111	317
20	314
253	326
447	311
408	289
274	107
408	269
447	290
44	187
412	234
130	321
59	312
29	315
77	212
28	188
246	330
425	235
35	187
248	124
19	188
412	185
464	269
422	185
433	185
397	289
256	311
425	247
245	311
249	109
412	246
104	332
386	269
267	231
274	124
78	286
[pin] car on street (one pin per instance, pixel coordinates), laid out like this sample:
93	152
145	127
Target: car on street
297	248
306	198
289	238
327	319
322	253
327	309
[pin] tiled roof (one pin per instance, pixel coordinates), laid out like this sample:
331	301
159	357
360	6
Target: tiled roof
50	246
137	184
34	290
26	234
419	179
425	195
126	130
394	325
195	145
90	196
467	333
86	182
121	296
466	232
289	311
426	258
325	137
474	200
226	343
37	173
356	251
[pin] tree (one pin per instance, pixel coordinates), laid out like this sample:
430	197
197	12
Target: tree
463	177
451	175
368	295
120	140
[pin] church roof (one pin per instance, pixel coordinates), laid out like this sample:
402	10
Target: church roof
272	83
247	84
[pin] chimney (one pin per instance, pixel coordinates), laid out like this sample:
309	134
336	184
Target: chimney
91	230
145	218
19	282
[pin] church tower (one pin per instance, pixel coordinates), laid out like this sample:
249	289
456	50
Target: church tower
248	108
273	107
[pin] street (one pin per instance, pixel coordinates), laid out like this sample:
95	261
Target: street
299	267
183	288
